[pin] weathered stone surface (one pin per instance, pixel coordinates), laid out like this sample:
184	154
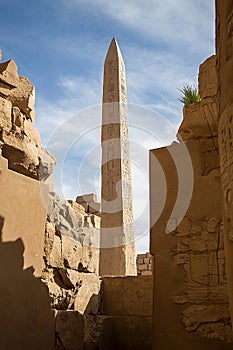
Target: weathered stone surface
207	78
21	141
196	315
46	166
90	252
191	257
23	96
98	332
87	300
94	208
63	216
25	221
144	264
118	332
79	211
5	114
87	198
55	257
22	154
224	50
69	331
31	132
199	120
49	238
127	296
17	120
9	74
70	289
62	251
72	251
132	332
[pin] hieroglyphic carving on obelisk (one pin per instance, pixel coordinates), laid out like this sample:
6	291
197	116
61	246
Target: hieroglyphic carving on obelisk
117	247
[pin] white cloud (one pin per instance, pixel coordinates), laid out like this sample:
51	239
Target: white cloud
175	23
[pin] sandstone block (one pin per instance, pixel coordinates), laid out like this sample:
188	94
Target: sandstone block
140	261
146	260
195	315
87	300
207	78
69	328
141	256
88	221
199	120
212	224
94	208
22	154
132	332
23	96
85	206
142	267
199	243
61	214
5	114
78	208
96	221
87	198
47	159
49	238
9	74
90	250
17	120
55	257
146	273
71	252
98	332
31	132
130	296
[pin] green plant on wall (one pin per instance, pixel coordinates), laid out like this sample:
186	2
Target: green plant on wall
190	94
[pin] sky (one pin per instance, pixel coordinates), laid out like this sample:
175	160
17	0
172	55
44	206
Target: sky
61	45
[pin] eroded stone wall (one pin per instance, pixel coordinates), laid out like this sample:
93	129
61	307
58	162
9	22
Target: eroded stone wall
224	50
190	287
27	321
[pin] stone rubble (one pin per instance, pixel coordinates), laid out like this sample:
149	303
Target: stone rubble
144	264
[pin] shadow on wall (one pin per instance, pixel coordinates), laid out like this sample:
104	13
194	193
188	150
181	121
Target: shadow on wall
27	321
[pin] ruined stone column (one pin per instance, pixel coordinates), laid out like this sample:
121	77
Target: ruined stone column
117	248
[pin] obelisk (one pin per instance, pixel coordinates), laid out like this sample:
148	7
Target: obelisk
117	246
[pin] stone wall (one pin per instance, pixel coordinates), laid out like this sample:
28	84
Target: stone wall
191	307
144	264
123	319
27	321
127	308
224	49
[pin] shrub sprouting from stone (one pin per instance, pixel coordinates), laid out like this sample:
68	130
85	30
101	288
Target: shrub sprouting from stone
190	94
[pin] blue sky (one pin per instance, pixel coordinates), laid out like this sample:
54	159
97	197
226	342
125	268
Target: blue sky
60	46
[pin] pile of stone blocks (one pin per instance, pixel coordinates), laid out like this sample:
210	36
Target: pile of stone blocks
144	264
